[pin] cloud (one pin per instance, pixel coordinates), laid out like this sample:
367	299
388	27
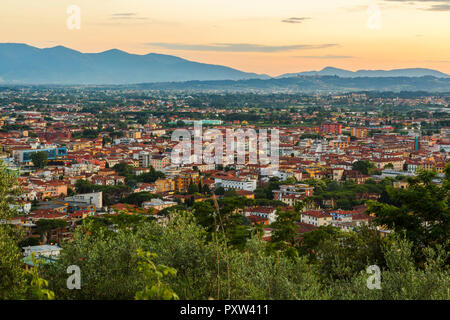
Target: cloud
328	56
439	61
388	4
126	16
419	0
130	18
295	20
238	47
439	7
413	1
436	5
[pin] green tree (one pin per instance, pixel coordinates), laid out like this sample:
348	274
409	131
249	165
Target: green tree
155	288
284	234
363	166
219	191
152	176
340	255
230	193
389	166
45	226
40	159
83	186
401	278
311	240
137	198
421	210
204	212
123	169
193	188
107	260
12	280
70	192
38	289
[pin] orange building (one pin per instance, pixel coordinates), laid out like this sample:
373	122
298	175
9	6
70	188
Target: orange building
359	132
184	179
164	185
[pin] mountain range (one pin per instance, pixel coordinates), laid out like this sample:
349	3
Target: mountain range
308	84
24	64
331	71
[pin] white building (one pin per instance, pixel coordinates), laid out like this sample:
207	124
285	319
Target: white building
264	212
44	250
21	207
316	218
246	184
145	159
158	204
95	198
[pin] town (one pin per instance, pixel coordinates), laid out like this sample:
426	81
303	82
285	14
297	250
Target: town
105	153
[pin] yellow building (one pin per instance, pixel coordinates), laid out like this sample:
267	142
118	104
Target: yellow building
184	179
134	135
164	185
79	145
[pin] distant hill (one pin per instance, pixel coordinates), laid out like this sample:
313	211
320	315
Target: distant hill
24	64
331	71
308	84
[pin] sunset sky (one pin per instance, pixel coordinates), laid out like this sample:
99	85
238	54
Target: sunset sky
263	36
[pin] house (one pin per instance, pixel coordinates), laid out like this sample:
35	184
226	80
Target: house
185	179
95	198
112	180
337	173
264	212
56	206
257	220
397	163
164	185
401	184
22	206
316	218
356	176
293	193
42	253
87	208
46	214
291	199
305	227
56	188
231	182
246	194
342	215
159	162
158	204
145	187
123	208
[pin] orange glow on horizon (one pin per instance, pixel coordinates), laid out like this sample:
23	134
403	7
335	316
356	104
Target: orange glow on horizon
255	36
